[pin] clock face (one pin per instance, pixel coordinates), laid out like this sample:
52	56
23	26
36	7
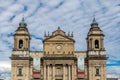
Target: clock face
58	47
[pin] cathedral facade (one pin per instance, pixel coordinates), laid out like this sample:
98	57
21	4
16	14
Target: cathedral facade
58	60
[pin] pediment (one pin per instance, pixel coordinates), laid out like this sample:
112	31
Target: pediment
59	38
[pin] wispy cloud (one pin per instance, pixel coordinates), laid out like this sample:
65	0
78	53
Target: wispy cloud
71	15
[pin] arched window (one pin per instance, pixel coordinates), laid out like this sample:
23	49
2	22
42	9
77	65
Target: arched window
96	44
20	72
20	44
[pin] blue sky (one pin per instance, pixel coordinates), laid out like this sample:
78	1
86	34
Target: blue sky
71	15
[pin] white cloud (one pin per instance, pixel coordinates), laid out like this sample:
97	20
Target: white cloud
71	15
113	72
16	8
5	67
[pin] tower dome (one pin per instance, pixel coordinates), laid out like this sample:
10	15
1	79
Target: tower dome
22	29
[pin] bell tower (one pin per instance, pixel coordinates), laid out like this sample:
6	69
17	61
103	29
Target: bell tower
22	63
96	56
22	37
95	38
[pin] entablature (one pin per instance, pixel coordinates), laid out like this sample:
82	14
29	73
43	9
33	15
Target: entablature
40	54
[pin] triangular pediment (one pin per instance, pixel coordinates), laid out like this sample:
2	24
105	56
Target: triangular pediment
59	38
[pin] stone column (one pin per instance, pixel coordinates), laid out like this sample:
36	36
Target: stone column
48	72
64	72
102	43
72	67
90	44
31	69
69	74
26	46
15	44
41	69
44	72
76	70
53	72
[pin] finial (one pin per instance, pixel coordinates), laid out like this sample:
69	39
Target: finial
48	33
23	18
58	27
94	21
72	34
94	15
23	22
45	33
68	33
